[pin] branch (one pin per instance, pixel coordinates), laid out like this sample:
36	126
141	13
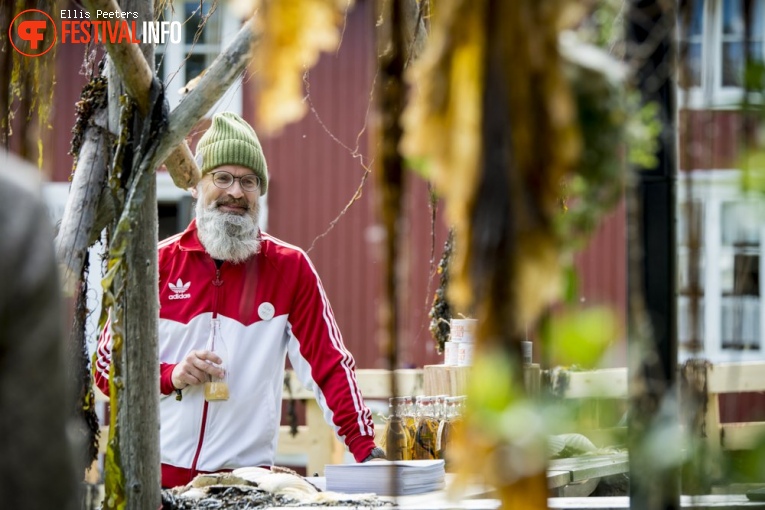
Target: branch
222	73
137	76
79	214
415	34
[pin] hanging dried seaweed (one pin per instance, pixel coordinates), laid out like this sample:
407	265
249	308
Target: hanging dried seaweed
23	75
294	34
441	122
92	98
495	115
441	312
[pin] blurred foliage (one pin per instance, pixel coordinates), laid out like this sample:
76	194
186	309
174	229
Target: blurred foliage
752	165
442	121
746	466
292	37
580	336
617	129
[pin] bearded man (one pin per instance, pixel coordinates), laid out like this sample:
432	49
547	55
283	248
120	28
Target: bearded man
267	302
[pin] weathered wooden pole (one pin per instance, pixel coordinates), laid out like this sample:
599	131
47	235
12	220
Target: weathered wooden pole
654	482
137	362
79	215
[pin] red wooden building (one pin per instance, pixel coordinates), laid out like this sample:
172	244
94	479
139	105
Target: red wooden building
316	166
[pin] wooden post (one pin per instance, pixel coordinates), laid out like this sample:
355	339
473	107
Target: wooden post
79	214
138	403
652	299
322	444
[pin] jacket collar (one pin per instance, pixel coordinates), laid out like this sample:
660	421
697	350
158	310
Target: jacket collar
189	239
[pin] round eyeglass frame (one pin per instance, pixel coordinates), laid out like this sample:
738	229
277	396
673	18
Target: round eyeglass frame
234	178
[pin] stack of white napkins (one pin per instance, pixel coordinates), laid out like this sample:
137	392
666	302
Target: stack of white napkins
411	476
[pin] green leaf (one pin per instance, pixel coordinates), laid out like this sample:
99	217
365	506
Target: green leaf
581	336
420	166
753	171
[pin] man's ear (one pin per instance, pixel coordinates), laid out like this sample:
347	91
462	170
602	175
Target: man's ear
193	192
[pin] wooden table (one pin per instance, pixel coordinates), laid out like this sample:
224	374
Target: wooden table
578	476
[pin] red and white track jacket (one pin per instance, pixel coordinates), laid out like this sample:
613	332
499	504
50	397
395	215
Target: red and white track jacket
270	306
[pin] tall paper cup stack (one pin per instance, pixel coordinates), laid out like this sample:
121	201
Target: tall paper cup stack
462	330
451	353
462	338
465	354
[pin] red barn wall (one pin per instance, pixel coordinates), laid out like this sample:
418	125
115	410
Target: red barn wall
316	166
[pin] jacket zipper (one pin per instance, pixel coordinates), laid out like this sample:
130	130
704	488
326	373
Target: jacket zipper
217	282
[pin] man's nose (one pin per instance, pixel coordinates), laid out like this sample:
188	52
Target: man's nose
235	190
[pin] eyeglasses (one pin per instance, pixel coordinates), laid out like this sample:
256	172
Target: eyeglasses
224	180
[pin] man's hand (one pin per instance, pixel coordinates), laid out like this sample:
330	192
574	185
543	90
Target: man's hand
196	368
377	453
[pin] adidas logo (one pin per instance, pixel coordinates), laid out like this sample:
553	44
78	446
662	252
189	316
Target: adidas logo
179	288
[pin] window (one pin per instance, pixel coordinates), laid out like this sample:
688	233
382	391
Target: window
732	233
717	36
742	221
178	64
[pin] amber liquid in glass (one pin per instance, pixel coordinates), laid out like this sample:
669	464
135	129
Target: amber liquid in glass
396	440
425	438
411	433
443	438
216	391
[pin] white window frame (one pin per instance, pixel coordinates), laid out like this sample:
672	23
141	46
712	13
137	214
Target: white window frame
175	54
711	94
713	188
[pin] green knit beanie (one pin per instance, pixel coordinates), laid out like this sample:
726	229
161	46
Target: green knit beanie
230	140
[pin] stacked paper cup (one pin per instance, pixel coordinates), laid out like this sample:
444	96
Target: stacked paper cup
458	351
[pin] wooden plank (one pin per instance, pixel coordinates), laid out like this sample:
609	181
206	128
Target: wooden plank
731	377
299	444
742	436
579	489
373	383
623	503
558	478
736	377
597	466
445	380
321	440
605	383
713	436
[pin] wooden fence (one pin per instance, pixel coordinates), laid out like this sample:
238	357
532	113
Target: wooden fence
318	443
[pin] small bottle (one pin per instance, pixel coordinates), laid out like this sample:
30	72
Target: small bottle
396	437
444	436
440	403
217	387
427	429
410	424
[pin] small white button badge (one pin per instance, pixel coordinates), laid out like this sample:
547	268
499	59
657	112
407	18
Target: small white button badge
266	311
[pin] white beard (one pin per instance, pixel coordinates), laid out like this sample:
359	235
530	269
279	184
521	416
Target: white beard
228	236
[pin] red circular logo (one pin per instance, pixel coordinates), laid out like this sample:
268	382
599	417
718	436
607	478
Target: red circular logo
32	30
